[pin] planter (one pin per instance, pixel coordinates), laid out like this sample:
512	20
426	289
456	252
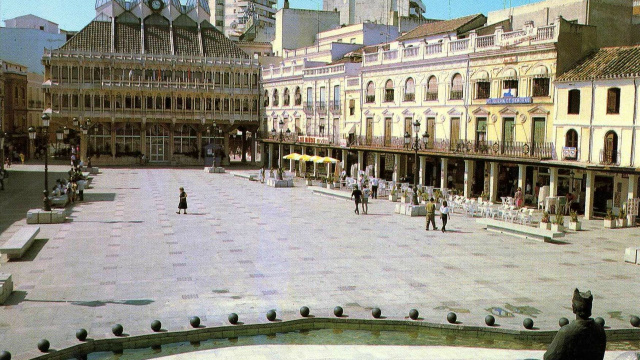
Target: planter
545	226
309	182
621	223
336	185
609	224
557	227
575	226
329	185
393	198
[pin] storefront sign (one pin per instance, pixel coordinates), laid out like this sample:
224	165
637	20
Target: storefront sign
509	100
569	153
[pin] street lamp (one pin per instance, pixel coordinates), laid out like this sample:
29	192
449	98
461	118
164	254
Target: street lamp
280	139
415	146
32	135
75	122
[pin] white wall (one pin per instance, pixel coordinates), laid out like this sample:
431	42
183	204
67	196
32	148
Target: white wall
297	28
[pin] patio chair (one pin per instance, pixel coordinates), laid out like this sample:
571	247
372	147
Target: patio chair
526	218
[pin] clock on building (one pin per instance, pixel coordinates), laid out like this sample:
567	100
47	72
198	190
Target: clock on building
156	5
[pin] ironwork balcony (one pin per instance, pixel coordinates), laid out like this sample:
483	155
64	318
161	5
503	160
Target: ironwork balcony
431	96
409	97
308	108
335	108
455	95
369	99
321	107
610	158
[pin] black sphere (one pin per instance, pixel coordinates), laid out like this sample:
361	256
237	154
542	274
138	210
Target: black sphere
43	345
156	325
563	321
337	311
489	320
304	311
413	314
528	323
452	317
599	321
81	334
117	329
376	313
271	315
233	318
194	321
5	355
635	321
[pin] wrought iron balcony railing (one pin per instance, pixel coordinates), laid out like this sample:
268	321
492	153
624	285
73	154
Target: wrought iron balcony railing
610	158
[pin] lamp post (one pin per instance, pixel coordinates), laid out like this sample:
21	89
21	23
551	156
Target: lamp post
415	146
32	135
280	139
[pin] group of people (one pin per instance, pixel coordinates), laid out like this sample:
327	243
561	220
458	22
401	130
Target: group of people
431	215
73	188
361	197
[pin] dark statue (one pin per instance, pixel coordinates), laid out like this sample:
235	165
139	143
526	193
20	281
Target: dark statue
582	339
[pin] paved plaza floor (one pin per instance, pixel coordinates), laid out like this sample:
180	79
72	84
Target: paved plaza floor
125	256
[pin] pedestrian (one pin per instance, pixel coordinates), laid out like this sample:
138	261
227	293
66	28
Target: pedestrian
518	198
183	201
431	214
81	184
374	187
365	200
444	213
2	176
357	194
21	158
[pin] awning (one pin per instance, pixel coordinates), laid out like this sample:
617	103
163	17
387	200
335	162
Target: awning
481	76
350	129
540	71
509	74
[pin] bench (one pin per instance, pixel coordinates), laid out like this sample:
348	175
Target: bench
6	287
330	192
250	177
20	242
522	231
61	200
39	216
632	255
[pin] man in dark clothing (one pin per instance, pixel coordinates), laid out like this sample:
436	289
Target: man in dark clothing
357	194
583	338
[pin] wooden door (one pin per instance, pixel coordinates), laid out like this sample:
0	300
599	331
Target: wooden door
369	131
455	132
387	131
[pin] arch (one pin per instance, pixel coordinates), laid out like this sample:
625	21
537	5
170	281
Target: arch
286	97
371	92
276	98
481	75
297	96
409	90
610	149
388	91
571	138
539	71
509	73
456	87
388	84
432	88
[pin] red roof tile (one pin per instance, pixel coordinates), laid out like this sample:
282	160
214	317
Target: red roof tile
441	27
606	63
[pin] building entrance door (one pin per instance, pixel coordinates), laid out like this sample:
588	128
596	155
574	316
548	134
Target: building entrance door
157	143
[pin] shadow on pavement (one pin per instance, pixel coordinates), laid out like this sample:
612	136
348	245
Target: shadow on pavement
16	297
33	251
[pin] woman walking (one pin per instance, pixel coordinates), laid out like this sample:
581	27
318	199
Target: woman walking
444	212
183	201
357	194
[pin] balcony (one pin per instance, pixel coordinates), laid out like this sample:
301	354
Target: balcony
569	153
610	158
335	108
456	95
370	99
321	107
409	97
431	96
308	109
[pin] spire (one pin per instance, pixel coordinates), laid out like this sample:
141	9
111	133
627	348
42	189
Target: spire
286	4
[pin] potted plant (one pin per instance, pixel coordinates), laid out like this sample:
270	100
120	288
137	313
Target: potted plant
437	194
622	217
308	180
405	197
483	197
545	221
574	224
558	223
394	195
329	182
336	182
609	220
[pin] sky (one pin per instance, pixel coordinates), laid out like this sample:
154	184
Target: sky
75	14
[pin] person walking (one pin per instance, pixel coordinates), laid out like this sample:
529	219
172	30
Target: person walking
365	200
2	176
183	201
444	213
374	187
431	214
357	194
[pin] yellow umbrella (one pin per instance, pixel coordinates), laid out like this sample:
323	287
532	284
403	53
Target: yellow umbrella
305	158
314	158
327	160
292	156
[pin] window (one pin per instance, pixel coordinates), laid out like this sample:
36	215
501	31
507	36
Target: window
481	130
297	97
571	139
388	91
574	102
128	139
87	102
456	87
185	140
100	140
352	107
309	97
371	93
266	98
336	97
483	90
508	130
432	89
509	88
541	87
286	97
613	101
610	155
409	90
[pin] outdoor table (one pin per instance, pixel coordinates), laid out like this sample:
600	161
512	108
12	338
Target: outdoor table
550	202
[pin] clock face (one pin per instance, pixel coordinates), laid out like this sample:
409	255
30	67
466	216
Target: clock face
156	5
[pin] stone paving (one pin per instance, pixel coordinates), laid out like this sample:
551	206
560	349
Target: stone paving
126	257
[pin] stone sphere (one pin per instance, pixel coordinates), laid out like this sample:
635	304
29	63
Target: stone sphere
376	313
528	323
452	317
635	321
233	318
563	321
599	321
5	355
194	321
156	325
43	345
117	329
337	311
304	311
81	334
271	315
489	320
413	314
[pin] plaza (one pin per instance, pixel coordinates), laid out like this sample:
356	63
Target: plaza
124	256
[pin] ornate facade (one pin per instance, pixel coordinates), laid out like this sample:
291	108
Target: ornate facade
153	77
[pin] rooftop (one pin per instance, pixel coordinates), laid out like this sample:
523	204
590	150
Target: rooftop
457	25
606	63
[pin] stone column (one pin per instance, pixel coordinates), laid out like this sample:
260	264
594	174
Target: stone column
270	157
345	155
553	181
444	173
396	167
292	165
421	171
469	172
493	181
360	161
632	193
225	142
376	165
113	141
280	154
83	147
143	139
244	146
588	199
329	153
253	151
522	177
315	164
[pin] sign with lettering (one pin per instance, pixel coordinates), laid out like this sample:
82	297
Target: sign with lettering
569	152
509	100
